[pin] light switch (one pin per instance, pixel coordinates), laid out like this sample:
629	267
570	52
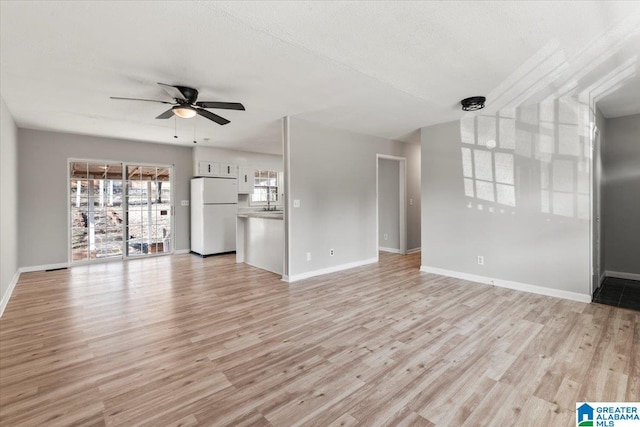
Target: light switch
410	202
296	203
184	202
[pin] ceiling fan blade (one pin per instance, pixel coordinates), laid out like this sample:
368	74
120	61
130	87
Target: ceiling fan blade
166	115
214	117
139	99
173	91
221	105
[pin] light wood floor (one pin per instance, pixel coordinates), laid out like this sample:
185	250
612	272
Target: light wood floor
188	341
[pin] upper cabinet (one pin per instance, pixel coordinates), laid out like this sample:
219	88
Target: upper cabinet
245	180
225	170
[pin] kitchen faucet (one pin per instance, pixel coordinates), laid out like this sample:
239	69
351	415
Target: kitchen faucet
268	208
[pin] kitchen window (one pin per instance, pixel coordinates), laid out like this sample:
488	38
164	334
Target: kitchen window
265	187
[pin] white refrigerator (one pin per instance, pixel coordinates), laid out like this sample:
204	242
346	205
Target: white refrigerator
214	206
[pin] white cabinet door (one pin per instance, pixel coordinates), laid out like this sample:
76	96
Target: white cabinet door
245	180
226	170
204	169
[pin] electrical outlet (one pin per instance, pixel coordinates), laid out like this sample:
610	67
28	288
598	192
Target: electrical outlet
184	202
386	236
308	256
410	202
480	260
331	252
296	203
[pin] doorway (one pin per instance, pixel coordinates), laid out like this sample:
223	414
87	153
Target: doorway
390	204
118	210
616	230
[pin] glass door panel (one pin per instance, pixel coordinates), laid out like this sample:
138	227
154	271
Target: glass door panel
149	210
95	208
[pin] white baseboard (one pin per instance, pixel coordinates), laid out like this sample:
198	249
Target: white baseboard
602	277
181	251
541	290
622	275
414	250
301	276
7	295
43	267
392	250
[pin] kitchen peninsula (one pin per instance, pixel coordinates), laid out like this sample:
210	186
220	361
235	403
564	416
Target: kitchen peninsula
260	240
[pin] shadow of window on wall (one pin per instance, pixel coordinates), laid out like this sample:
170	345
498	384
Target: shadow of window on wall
529	150
534	149
563	152
488	162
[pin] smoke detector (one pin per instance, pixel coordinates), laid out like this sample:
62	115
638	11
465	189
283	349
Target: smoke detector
474	103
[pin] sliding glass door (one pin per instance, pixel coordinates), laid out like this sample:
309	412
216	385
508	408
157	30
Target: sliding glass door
119	210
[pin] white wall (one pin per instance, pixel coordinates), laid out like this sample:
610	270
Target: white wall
332	173
8	204
523	205
621	202
388	203
43	181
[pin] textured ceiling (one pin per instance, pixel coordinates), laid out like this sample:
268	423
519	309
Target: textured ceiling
380	68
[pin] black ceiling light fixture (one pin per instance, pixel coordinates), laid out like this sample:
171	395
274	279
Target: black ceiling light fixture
474	103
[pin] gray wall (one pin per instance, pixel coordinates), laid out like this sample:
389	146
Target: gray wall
43	181
388	203
523	205
621	202
8	199
333	174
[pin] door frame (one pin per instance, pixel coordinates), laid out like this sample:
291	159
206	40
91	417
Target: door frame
595	228
402	193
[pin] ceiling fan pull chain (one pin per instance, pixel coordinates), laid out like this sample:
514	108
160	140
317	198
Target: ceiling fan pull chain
195	119
175	127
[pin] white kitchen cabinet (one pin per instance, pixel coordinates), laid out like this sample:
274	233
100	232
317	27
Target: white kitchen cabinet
206	168
228	170
245	180
217	169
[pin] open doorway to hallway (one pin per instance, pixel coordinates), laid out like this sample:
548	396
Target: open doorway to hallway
391	195
616	234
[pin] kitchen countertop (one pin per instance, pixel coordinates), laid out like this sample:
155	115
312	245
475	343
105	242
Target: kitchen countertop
264	214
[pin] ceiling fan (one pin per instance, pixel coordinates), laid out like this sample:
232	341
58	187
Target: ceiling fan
187	106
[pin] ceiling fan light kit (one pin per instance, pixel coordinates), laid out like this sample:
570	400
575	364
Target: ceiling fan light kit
184	111
473	103
186	107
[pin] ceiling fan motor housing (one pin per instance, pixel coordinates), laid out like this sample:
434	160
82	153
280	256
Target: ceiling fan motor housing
190	94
